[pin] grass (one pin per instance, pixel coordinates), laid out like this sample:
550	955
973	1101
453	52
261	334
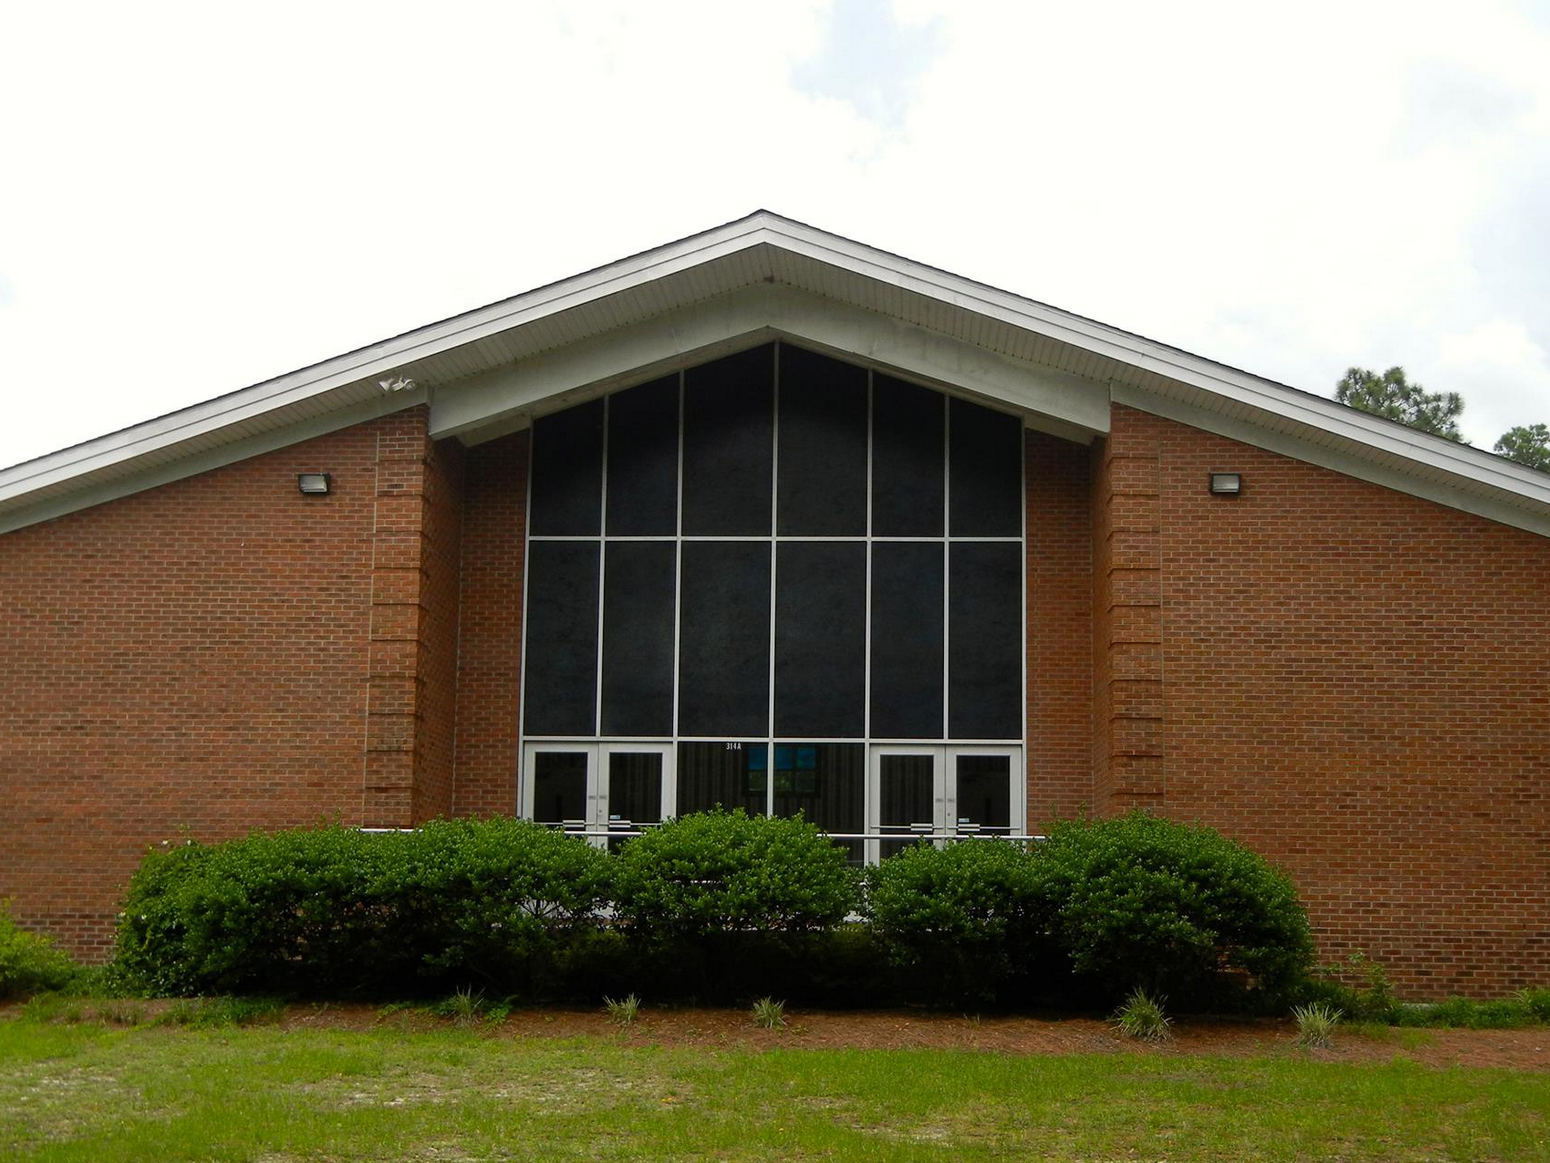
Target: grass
94	1092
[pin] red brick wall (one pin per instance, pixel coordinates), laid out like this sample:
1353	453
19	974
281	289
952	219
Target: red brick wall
441	538
490	644
1060	629
190	657
1353	681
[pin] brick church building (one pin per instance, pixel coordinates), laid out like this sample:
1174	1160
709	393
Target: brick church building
769	518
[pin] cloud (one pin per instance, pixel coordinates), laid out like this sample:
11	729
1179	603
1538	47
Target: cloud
205	196
870	59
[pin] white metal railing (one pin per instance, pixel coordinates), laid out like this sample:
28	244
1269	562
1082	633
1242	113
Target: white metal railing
964	832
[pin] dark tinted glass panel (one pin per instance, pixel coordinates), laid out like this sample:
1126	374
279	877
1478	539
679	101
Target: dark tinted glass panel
986	472
907	459
724	639
638	595
822	479
906	798
643	460
985	632
560	788
826	782
906	640
568	472
725	775
561	680
729	432
820	639
984	794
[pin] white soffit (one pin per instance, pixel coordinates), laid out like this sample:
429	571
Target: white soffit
955	330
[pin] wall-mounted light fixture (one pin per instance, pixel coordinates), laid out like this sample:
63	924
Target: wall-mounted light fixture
1226	484
313	484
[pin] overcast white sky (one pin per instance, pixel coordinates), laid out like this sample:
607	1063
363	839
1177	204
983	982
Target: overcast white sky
198	197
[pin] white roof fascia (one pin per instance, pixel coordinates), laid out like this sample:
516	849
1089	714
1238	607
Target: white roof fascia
95	493
376	359
1461	461
1496	506
1124	347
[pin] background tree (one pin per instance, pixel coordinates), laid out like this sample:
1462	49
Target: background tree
1527	444
1391	395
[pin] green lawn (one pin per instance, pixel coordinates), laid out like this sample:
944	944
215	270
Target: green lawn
90	1092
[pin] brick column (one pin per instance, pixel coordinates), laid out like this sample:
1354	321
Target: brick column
1129	752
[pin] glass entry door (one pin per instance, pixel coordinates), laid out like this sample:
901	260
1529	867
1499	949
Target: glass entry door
559	788
908	798
925	793
983	792
639	787
598	788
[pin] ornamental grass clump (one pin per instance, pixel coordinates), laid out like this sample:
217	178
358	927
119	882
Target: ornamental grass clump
1142	1017
769	1014
1316	1024
623	1010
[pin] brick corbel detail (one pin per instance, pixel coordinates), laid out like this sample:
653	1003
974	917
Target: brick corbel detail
397	586
1129	606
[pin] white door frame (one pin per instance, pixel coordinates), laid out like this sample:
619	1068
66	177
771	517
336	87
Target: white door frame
669	754
596	814
874	783
1017	815
530	753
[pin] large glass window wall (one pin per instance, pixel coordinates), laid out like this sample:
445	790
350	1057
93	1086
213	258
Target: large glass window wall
774	569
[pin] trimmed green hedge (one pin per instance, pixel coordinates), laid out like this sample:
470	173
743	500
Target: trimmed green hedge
719	872
1143	902
967	921
716	905
336	909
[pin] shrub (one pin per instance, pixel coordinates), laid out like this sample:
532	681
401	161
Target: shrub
719	872
970	917
499	899
29	962
1142	1017
1140	901
337	910
1358	989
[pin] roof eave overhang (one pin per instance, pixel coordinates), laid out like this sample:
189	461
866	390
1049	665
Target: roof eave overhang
492	368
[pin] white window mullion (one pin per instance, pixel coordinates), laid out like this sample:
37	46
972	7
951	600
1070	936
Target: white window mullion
769	757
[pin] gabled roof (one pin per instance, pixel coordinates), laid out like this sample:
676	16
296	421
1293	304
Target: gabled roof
490	370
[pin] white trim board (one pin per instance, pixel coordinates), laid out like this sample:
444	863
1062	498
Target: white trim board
60	504
706	266
1499	509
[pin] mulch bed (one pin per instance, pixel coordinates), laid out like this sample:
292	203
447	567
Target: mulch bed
1526	1049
